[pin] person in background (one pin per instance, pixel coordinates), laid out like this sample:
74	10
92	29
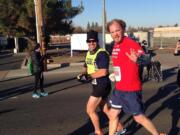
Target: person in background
38	68
97	67
127	94
146	62
177	53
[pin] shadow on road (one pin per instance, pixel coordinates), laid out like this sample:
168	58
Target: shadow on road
6	111
11	79
169	72
58	82
167	94
7	93
64	88
87	128
171	103
15	91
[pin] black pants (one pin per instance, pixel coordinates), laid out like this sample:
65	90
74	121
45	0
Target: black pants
178	78
39	80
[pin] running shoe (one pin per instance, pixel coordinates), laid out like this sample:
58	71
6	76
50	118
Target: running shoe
44	94
35	95
122	132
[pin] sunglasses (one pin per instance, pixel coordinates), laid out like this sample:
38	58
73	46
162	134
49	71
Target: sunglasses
91	41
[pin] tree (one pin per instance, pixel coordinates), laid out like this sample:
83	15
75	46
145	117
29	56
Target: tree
88	26
131	29
96	25
78	29
176	25
92	25
17	17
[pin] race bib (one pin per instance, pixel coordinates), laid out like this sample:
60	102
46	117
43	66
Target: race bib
117	73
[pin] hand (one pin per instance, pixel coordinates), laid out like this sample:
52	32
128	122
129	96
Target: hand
133	55
178	45
112	77
84	78
79	76
177	48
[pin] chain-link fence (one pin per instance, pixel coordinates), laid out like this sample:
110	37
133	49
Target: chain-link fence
164	42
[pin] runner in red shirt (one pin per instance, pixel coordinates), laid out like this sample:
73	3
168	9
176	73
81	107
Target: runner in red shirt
126	70
127	93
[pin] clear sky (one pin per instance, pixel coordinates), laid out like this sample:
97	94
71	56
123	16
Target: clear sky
136	13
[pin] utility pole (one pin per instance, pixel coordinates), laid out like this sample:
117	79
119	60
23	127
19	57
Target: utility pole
36	18
40	33
103	25
161	41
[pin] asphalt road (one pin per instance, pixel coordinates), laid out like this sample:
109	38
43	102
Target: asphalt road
63	111
58	114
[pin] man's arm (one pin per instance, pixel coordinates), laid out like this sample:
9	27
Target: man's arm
99	73
176	50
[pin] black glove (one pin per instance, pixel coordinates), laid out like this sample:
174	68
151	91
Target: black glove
85	78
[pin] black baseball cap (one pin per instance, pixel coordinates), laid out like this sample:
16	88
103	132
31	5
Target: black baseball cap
92	35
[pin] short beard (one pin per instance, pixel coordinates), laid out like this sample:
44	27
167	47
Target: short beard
91	50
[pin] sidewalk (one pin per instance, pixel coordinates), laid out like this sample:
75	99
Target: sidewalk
52	68
167	60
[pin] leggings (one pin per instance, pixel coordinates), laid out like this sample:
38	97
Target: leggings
39	79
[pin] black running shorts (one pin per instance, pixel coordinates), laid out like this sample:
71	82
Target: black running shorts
101	90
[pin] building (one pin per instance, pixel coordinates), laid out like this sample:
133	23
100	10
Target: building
167	32
166	37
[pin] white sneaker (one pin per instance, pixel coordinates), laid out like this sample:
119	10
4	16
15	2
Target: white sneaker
35	95
122	132
44	94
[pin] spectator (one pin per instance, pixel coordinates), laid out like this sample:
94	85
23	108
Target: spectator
147	61
38	68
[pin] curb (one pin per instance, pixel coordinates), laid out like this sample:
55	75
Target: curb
24	63
65	65
5	55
